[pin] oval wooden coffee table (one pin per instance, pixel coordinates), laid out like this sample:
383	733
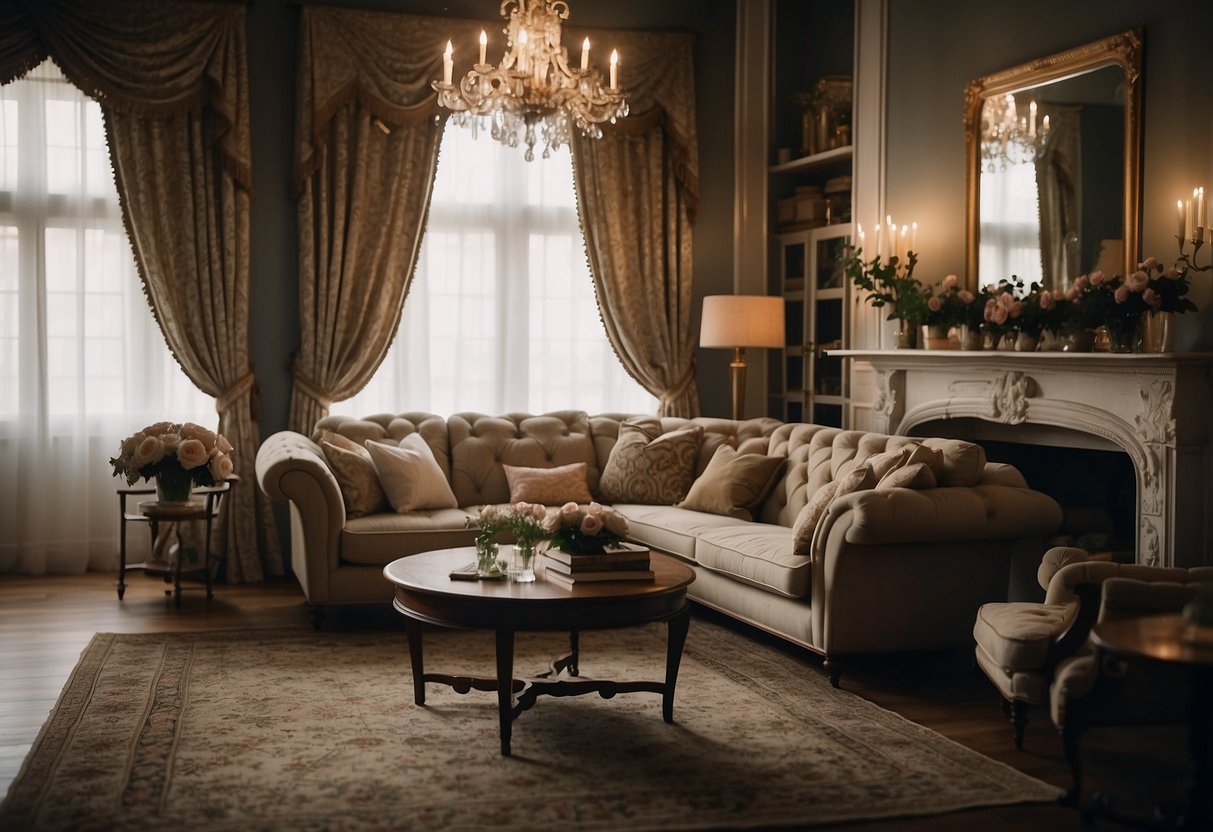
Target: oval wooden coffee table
426	594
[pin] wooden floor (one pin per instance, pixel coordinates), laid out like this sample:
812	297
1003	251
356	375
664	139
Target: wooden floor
46	622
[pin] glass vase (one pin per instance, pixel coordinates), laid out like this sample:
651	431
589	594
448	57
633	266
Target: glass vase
173	484
1158	332
1124	338
990	339
1077	340
935	338
486	560
970	337
904	335
522	564
1026	342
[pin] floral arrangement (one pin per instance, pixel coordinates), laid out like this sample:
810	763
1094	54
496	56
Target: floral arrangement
949	305
890	283
176	451
584	530
523	520
1166	289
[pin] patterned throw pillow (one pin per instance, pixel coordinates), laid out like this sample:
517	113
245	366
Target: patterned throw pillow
548	486
355	473
734	484
410	475
650	470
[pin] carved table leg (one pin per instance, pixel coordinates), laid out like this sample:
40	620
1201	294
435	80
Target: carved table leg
574	652
505	687
414	629
676	634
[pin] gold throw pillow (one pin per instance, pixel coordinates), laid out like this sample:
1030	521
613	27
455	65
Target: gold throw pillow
734	484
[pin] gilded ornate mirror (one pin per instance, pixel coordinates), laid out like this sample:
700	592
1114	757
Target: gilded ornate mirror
1054	149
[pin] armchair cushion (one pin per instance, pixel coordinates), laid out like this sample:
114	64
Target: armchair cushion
1017	636
548	486
733	484
650	467
355	473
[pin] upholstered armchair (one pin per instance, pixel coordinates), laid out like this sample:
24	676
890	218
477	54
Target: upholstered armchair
1095	688
1021	645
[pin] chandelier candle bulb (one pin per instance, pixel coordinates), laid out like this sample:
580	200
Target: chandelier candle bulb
614	69
1032	119
448	63
484	45
585	54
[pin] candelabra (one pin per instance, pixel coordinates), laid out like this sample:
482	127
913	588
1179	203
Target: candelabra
1193	216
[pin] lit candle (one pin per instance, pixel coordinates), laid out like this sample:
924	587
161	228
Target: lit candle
522	39
913	237
585	54
891	240
1200	208
614	69
878	251
484	45
859	233
1044	126
1032	120
448	66
1183	227
903	242
1188	218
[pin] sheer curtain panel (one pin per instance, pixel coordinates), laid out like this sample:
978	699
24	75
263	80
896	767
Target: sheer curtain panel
82	361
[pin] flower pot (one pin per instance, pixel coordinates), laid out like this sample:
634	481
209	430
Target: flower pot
935	338
970	337
1026	342
173	485
1158	332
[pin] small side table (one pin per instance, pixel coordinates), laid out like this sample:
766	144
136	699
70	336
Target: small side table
203	505
1164	638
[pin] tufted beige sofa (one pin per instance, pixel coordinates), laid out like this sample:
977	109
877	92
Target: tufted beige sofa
889	570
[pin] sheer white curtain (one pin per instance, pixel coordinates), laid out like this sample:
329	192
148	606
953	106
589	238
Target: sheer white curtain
1010	225
82	360
501	315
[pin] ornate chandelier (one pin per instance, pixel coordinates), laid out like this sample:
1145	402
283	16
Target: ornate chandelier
533	94
1008	138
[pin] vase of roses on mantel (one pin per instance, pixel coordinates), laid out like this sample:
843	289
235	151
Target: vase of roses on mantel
178	456
586	530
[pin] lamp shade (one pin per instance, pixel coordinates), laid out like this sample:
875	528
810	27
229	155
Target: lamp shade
742	321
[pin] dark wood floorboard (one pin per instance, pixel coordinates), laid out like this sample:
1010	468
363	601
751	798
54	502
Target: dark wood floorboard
45	622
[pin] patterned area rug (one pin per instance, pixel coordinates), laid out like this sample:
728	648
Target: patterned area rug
293	729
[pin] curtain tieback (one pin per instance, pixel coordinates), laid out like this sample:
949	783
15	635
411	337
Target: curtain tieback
310	388
679	389
245	385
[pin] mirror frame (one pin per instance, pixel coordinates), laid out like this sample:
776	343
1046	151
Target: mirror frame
1123	50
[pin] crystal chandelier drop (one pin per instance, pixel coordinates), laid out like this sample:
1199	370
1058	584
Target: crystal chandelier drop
1008	138
533	95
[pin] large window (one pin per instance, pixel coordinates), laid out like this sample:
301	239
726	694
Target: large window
82	361
501	315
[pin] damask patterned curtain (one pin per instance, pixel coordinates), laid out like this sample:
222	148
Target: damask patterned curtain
638	189
368	130
172	80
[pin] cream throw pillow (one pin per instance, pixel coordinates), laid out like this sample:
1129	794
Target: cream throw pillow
355	473
650	470
548	486
733	484
410	475
917	475
809	517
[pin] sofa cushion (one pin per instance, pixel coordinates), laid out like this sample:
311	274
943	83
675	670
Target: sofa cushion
410	475
962	462
671	529
649	467
733	484
1018	635
759	554
378	539
917	475
548	486
809	517
355	474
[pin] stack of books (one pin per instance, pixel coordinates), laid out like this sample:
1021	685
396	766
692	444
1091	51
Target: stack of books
626	562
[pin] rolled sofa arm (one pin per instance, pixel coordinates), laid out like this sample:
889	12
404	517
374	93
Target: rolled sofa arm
291	468
943	515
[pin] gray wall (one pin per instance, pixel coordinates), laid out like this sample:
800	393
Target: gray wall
273	36
937	46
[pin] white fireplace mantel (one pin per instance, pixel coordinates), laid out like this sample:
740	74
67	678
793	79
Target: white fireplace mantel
1155	408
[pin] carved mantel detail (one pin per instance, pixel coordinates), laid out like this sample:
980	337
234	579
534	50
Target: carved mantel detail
1153	408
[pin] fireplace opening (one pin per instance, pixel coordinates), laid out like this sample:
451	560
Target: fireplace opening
1094	482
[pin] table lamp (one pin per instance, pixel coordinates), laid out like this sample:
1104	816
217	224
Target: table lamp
737	322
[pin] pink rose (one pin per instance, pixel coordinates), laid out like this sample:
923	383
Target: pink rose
999	315
1150	263
1082	282
1151	297
191	431
966	297
1137	281
221	467
171	441
594	508
991	289
130	443
949	282
1171	274
157	428
1096	278
1016	309
1046	300
1072	293
222	444
569	509
149	451
591	524
191	453
1006	300
934	305
1121	294
616	524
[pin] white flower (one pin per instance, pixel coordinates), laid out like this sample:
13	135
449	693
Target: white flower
191	453
1137	281
191	431
171	441
149	452
221	467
